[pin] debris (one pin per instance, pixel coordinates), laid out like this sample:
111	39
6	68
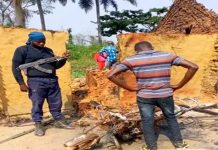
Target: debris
126	125
202	109
85	141
188	16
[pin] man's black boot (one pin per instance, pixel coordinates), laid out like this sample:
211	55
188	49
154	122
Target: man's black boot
39	131
61	123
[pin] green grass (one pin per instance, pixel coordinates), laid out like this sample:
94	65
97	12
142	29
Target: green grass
82	59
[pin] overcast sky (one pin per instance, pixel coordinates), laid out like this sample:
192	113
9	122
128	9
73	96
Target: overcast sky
72	16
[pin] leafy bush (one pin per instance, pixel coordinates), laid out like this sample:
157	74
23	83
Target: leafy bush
82	58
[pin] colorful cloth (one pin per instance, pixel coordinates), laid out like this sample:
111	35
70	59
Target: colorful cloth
111	53
100	59
152	71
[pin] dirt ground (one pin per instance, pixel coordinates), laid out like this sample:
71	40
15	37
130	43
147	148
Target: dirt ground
199	130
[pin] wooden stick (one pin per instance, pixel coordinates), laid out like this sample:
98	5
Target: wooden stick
201	109
24	132
17	135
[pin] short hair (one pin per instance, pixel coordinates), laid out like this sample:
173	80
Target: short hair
143	44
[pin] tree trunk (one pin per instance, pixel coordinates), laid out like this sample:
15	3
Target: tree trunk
10	20
2	13
41	14
19	13
98	21
3	18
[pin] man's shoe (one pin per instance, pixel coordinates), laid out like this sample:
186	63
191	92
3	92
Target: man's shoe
39	131
145	147
181	145
61	123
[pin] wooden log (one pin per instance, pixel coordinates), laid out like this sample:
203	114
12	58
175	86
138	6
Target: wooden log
85	141
201	109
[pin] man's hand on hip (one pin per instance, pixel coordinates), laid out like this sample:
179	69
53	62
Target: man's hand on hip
175	87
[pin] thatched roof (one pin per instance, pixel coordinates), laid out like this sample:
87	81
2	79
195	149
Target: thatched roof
186	16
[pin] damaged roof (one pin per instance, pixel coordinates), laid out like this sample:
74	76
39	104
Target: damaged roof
188	16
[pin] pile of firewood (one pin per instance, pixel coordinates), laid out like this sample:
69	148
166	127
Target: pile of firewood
123	125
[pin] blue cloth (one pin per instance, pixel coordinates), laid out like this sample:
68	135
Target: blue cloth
41	89
111	53
35	36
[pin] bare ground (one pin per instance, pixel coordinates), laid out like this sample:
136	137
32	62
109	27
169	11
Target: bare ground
199	130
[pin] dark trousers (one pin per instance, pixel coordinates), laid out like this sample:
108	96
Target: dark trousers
146	108
41	89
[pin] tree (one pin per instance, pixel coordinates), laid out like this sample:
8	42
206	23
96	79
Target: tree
5	12
41	14
19	13
42	11
63	2
22	12
15	14
131	21
88	4
70	37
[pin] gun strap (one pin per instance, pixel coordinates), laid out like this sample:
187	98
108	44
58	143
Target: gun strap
49	71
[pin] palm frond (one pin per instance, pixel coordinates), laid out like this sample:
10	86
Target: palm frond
114	4
105	4
86	4
63	2
132	2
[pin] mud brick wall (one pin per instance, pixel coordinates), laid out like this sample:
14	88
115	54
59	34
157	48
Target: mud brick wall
198	48
101	89
13	101
210	79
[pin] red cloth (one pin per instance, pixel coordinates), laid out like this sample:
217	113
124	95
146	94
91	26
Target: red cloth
100	60
101	65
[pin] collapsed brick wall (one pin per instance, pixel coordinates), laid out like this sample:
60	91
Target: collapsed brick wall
186	16
97	88
101	89
12	101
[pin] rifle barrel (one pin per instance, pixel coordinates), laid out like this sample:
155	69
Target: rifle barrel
39	62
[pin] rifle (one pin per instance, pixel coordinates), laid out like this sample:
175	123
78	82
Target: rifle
36	64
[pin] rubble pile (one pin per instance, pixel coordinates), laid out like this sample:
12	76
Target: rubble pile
122	125
188	16
95	87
